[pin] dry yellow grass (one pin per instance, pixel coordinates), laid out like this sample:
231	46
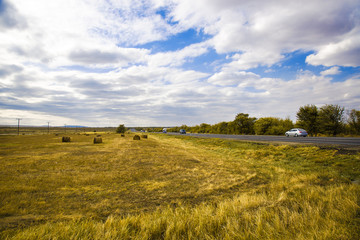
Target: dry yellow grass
174	188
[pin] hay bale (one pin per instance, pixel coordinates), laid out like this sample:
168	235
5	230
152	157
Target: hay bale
66	139
97	140
136	137
144	136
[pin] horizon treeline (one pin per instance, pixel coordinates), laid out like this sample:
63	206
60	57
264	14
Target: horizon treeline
328	120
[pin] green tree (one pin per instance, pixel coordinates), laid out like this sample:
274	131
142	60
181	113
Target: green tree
231	127
284	125
120	129
220	128
204	128
272	126
354	121
262	125
331	119
244	124
307	118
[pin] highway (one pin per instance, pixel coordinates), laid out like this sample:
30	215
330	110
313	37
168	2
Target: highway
349	141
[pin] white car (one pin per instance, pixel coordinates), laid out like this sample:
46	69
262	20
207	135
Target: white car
296	132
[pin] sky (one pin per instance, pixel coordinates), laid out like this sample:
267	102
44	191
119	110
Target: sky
173	62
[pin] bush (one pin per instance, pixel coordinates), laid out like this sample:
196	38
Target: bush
272	126
121	129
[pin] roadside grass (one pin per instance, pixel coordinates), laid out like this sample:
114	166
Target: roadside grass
175	187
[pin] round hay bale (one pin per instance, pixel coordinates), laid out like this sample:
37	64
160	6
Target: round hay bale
97	140
66	139
144	136
136	137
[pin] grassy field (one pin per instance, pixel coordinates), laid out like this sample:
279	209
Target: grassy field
175	187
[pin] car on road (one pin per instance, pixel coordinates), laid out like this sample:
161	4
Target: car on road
182	131
296	132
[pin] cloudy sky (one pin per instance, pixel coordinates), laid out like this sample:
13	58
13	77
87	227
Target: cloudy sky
174	62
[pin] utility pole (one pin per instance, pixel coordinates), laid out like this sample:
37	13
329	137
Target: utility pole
65	128
18	119
48	127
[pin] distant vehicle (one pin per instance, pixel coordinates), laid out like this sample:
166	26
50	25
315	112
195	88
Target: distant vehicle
296	132
164	130
182	131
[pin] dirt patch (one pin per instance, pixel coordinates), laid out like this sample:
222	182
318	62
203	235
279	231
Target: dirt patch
342	150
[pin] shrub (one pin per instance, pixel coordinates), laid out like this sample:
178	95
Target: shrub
120	128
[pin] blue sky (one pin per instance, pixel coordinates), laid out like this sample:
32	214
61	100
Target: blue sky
174	62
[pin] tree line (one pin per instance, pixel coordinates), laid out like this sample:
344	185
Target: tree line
329	120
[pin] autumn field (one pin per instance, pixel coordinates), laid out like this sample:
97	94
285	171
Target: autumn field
175	187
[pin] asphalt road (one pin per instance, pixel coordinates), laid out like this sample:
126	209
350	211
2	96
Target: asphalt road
348	141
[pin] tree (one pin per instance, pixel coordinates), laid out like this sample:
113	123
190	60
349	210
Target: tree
262	125
354	121
307	118
231	127
204	128
284	125
120	129
272	126
331	119
220	128
244	124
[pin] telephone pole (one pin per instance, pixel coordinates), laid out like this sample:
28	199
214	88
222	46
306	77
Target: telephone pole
18	119
48	127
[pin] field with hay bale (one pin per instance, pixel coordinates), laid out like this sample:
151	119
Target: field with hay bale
175	187
97	140
66	139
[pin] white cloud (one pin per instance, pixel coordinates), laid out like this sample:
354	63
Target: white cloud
179	57
107	56
253	59
277	97
10	18
62	33
232	78
259	31
84	62
345	52
276	27
10	116
331	71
